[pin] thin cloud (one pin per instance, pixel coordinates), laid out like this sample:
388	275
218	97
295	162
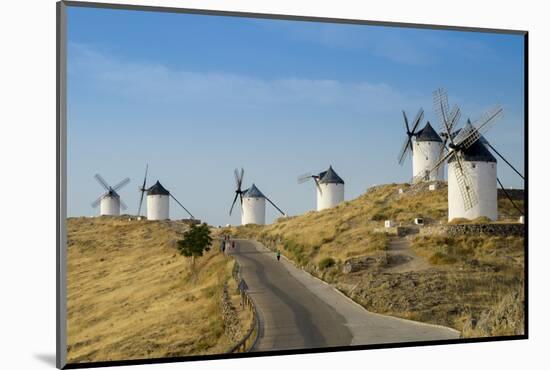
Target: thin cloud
160	84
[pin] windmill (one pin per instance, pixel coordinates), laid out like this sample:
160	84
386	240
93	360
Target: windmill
158	200
109	202
472	180
407	146
252	202
330	188
426	149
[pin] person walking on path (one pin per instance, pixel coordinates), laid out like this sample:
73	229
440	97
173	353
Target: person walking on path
278	255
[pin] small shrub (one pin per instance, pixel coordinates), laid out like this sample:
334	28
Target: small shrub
439	258
379	217
326	263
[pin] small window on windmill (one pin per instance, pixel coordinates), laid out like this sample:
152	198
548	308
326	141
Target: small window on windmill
419	221
473	165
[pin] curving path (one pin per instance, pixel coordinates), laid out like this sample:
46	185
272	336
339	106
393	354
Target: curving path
299	311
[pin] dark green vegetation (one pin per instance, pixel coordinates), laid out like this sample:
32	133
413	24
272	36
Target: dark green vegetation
195	242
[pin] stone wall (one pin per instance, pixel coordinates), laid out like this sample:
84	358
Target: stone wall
230	318
515	194
511	229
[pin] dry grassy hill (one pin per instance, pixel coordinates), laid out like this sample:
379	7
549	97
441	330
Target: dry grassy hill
131	295
471	283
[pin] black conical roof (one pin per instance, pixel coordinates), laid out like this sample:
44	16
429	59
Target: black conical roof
478	151
468	126
253	192
111	194
428	134
157	189
330	177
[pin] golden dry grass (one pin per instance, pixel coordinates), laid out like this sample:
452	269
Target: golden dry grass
131	295
467	280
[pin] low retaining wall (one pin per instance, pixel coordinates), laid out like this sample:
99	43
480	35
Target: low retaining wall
231	323
475	229
251	336
515	194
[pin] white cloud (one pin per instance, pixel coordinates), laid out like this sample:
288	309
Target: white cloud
158	83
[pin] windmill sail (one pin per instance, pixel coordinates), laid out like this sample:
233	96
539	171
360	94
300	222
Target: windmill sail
110	191
238	190
465	185
466	138
143	189
407	146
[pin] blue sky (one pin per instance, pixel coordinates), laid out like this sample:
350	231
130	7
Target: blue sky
195	96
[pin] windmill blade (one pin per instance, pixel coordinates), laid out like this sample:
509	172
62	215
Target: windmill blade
454	117
143	187
145	177
443	148
441	107
442	160
317	185
141	202
237	178
273	204
417	120
466	138
102	181
406	122
304	178
96	202
121	184
465	185
181	205
504	159
122	204
233	204
405	149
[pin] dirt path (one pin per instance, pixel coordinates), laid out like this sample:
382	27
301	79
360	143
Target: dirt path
403	257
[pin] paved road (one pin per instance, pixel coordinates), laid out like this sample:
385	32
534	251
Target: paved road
299	311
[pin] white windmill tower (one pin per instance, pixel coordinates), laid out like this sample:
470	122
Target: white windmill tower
109	202
329	188
252	202
158	201
427	147
472	169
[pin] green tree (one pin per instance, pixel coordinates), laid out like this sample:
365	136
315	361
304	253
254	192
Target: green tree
195	242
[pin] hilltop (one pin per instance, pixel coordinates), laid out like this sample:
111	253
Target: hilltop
473	283
130	294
